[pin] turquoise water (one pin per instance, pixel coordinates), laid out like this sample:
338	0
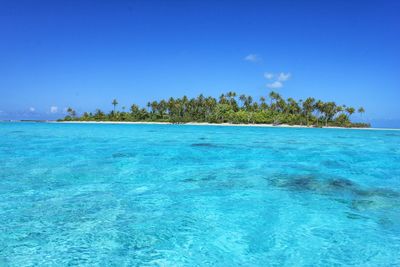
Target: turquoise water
168	195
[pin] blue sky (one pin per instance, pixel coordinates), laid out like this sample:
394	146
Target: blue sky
55	54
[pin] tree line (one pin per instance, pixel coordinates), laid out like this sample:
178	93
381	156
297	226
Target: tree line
231	108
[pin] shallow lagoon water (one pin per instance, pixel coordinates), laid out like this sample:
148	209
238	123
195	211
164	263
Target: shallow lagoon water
179	195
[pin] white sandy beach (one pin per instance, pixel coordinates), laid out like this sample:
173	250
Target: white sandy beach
219	124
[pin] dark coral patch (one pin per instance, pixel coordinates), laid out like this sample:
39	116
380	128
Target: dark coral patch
301	183
123	155
340	183
189	180
297	183
203	145
392	134
380	192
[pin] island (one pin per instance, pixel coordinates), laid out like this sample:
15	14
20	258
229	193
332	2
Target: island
233	109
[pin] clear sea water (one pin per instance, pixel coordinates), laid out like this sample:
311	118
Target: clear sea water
179	195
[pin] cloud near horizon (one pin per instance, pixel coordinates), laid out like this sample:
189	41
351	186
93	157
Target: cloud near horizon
53	109
268	75
275	85
252	58
280	79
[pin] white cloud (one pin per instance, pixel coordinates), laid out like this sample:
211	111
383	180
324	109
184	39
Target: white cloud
252	58
277	80
268	75
275	85
283	77
32	109
53	109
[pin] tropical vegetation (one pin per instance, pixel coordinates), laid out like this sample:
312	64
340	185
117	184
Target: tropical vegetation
230	108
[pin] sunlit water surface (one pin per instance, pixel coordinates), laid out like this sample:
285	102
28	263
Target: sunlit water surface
118	195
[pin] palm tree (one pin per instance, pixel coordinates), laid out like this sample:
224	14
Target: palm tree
292	106
319	107
340	109
154	106
274	100
255	107
231	94
99	115
114	103
361	110
135	111
273	97
248	102
232	101
86	116
350	111
308	108
243	99
71	112
162	108
263	105
222	99
281	104
210	104
330	111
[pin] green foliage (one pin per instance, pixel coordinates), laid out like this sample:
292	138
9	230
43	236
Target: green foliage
231	108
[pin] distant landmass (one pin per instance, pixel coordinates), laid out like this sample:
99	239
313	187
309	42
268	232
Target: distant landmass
231	108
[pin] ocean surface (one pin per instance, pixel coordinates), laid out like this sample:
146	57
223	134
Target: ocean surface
179	195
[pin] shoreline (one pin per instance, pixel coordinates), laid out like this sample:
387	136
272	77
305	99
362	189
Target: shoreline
219	124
